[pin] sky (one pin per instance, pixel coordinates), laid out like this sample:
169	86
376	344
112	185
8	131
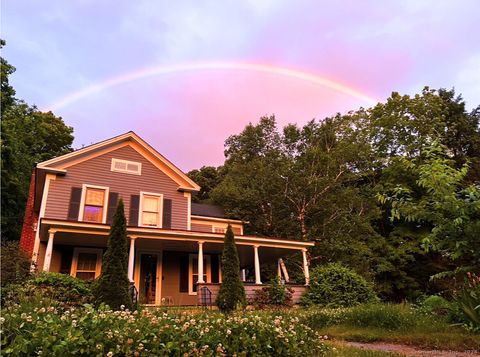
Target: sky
185	75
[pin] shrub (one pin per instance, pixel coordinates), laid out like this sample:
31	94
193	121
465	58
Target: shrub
63	290
468	300
334	285
435	305
275	294
103	332
112	287
15	264
232	292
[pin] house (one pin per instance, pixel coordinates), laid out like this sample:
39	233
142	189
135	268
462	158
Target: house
174	244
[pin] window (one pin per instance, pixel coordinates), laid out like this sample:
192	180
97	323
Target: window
86	263
151	207
128	167
94	204
193	272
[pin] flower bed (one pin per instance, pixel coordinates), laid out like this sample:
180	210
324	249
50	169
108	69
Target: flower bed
87	331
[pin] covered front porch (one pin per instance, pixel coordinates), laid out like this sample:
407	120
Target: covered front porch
167	267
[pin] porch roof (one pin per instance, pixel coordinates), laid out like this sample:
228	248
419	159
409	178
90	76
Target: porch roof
169	234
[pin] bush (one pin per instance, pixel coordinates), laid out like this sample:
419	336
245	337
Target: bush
275	294
468	300
63	290
232	292
334	285
15	264
103	332
435	305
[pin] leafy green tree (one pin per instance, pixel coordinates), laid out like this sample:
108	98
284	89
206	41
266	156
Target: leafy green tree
207	177
438	198
28	136
232	292
112	287
7	93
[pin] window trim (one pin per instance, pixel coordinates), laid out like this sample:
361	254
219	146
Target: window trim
105	202
98	265
126	171
207	270
160	212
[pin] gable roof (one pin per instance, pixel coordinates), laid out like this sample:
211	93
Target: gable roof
63	162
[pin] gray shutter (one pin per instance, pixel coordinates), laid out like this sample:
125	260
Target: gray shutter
167	214
112	206
134	205
74	208
183	260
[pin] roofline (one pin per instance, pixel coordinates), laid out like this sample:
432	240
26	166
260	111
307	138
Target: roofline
211	218
210	237
139	140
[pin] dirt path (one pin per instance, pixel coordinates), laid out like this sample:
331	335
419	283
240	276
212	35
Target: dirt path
408	350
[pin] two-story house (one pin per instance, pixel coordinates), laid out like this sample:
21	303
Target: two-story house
175	245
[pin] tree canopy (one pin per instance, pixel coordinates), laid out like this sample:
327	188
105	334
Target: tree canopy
28	136
334	180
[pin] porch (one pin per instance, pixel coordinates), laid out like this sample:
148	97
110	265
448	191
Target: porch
166	266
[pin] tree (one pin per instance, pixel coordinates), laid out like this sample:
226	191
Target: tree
438	199
112	287
207	177
28	136
232	292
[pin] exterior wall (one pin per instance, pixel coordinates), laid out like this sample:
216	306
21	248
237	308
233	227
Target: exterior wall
298	291
207	226
171	280
27	239
198	227
97	171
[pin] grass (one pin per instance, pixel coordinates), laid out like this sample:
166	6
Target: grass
455	340
391	323
343	351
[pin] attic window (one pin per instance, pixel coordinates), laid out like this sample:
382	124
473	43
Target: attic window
128	167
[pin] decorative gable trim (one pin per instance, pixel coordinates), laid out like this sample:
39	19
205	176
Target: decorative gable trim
137	143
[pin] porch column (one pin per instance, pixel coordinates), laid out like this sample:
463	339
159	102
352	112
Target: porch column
200	262
305	266
131	257
48	252
257	265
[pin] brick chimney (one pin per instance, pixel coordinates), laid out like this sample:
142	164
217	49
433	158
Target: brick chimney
30	220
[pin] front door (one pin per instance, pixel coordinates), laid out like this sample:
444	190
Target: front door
149	284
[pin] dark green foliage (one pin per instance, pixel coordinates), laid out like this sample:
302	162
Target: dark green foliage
112	286
232	292
63	290
15	264
275	294
28	136
334	285
207	177
468	300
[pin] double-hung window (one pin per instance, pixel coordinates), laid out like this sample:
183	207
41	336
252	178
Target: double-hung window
151	207
94	204
86	263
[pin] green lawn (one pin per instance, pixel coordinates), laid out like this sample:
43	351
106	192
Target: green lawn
399	324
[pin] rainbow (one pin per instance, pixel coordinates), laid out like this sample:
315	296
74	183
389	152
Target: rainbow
209	66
